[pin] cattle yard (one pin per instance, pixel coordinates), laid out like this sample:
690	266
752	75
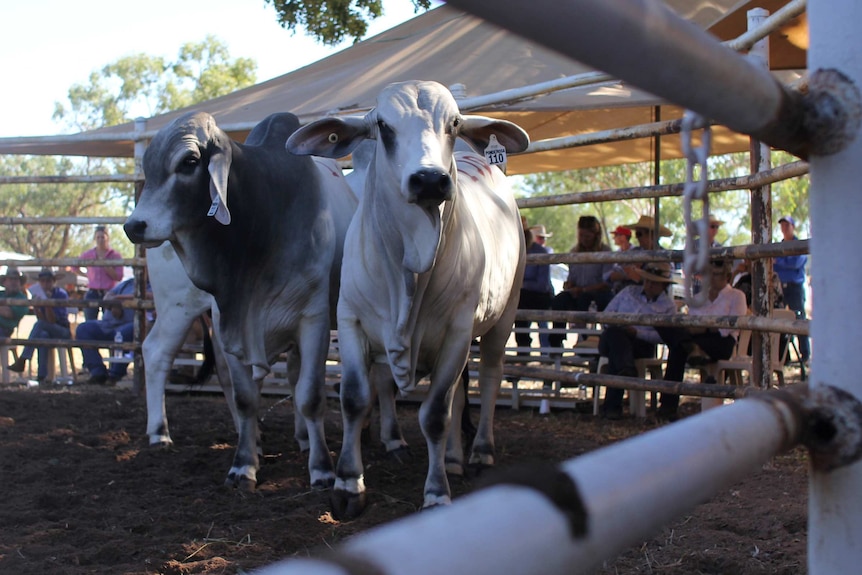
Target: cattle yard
546	409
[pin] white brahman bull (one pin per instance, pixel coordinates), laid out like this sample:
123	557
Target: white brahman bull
270	257
433	258
178	304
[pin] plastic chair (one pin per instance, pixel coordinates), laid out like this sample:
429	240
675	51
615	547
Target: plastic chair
742	361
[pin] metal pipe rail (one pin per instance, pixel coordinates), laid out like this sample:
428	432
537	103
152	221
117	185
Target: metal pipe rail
766	177
82	343
63	220
134	303
72	179
751	322
703	73
75	262
567	518
748	252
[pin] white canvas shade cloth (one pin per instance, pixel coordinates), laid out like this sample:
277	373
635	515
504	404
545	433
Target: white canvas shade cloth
451	47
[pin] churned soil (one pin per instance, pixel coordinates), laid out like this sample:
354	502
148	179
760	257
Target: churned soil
83	493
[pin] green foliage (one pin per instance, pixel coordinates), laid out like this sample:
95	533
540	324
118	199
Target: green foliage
331	21
144	85
131	86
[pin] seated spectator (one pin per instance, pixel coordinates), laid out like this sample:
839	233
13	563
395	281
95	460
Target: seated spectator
586	281
51	322
698	346
13	288
536	290
623	344
114	318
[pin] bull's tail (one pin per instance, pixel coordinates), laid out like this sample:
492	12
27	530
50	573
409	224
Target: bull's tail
208	366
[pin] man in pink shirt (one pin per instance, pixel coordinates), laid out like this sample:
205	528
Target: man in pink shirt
100	278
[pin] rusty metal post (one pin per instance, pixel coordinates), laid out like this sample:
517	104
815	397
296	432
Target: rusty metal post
761	227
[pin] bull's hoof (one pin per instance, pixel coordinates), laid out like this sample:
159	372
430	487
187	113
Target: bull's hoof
477	469
323	483
454	468
401	455
240	483
347	506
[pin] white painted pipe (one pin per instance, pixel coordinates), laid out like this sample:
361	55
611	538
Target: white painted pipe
835	506
567	519
643	42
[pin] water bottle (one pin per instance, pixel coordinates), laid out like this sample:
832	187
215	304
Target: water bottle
593	307
582	391
118	339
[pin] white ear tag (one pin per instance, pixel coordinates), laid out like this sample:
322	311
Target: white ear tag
213	207
495	153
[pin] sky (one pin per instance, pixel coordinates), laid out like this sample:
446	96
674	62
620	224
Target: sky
46	46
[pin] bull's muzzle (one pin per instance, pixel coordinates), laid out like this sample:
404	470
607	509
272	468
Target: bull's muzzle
430	187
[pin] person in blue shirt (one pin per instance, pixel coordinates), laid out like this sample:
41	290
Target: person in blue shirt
623	344
536	291
51	322
791	272
114	318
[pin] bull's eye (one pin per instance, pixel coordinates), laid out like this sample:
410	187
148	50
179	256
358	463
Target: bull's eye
386	135
189	164
456	123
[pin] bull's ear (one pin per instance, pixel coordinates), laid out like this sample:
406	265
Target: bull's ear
329	137
478	130
219	170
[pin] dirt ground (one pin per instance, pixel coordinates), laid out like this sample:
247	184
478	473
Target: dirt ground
83	493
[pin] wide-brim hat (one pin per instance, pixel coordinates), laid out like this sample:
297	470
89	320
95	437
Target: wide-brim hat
12	272
715	220
648	223
50	273
657	272
540	231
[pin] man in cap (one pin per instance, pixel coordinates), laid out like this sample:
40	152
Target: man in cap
13	288
622	275
791	272
536	290
623	344
51	322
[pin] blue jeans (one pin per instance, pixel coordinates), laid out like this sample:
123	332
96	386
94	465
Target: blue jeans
44	330
97	330
794	297
92	313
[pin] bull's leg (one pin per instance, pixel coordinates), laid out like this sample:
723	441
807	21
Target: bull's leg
300	429
435	417
348	496
243	471
454	444
310	398
223	371
390	432
160	348
491	349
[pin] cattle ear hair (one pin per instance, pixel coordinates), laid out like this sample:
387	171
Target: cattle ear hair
329	137
478	129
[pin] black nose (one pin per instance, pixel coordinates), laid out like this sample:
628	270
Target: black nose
430	187
135	230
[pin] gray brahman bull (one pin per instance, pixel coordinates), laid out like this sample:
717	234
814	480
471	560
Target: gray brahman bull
270	256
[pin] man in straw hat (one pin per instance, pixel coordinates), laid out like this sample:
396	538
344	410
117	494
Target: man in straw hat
623	344
644	230
13	284
714	225
51	322
697	346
